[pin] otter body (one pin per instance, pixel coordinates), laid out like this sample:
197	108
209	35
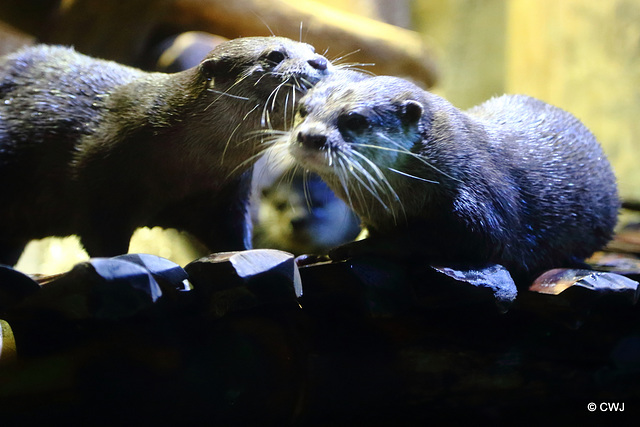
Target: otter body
513	181
95	148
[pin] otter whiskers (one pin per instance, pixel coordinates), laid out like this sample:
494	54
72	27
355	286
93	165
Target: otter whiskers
265	120
291	96
355	165
356	66
348	171
239	80
226	145
268	138
271	100
352	65
381	178
290	99
412	176
403	150
381	187
243	98
342	175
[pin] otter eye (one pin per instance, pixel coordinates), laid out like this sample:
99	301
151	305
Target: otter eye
302	111
276	57
353	122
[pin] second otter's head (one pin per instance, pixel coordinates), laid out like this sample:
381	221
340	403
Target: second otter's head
363	136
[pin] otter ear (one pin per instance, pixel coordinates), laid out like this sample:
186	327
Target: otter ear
215	67
411	112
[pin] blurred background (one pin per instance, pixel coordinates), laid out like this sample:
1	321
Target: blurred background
580	55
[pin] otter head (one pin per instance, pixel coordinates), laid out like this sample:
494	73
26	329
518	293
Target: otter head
362	136
247	91
270	70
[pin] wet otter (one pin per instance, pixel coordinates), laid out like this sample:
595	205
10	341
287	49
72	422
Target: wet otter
95	148
513	181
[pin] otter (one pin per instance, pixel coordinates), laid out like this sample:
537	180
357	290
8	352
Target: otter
302	217
98	149
513	181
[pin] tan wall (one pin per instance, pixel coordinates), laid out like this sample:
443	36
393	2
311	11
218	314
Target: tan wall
585	57
469	41
581	55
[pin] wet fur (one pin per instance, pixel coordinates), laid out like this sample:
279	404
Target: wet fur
94	148
513	181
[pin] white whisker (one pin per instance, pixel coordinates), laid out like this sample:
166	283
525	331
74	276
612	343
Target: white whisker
403	150
358	168
226	146
387	188
341	173
340	58
355	67
248	162
240	79
244	98
412	176
306	190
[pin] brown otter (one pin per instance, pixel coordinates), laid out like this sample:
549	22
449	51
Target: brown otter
95	148
513	181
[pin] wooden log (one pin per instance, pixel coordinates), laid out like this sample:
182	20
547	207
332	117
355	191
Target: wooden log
95	27
367	285
379	286
392	50
442	357
573	297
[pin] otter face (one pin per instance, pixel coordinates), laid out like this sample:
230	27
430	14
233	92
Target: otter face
359	136
249	89
354	122
264	67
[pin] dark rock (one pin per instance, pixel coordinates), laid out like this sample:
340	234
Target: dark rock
166	272
101	289
231	281
14	287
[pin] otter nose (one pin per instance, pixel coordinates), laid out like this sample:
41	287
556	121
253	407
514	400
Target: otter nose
319	63
299	222
311	139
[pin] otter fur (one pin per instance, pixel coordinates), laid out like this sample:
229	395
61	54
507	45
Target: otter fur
514	181
95	148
